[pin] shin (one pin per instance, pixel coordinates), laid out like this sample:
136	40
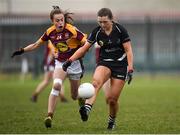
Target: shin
53	96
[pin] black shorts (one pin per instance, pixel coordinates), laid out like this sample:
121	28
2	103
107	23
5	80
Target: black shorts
118	70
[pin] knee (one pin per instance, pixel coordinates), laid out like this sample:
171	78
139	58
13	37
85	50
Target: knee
57	84
112	101
97	84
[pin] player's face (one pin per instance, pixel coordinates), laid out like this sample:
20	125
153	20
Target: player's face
105	22
58	21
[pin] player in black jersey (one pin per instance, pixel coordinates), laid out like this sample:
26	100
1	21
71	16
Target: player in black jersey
115	62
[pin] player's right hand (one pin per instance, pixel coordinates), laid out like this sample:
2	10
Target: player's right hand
66	64
18	52
130	76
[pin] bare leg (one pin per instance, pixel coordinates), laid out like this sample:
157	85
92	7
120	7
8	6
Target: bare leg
116	88
106	89
58	74
74	91
115	91
74	88
61	95
101	75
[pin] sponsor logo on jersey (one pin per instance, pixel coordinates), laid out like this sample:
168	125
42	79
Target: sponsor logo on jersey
62	47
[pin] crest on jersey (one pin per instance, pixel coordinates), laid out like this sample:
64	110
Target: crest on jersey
101	43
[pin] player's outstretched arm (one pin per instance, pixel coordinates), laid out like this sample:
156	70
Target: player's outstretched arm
26	49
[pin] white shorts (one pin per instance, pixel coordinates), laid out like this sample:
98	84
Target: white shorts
74	71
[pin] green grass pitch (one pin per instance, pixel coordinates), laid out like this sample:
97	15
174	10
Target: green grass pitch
151	104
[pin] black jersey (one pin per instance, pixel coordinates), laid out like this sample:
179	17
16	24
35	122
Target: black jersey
111	45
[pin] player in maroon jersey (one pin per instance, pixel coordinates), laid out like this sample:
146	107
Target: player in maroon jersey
66	38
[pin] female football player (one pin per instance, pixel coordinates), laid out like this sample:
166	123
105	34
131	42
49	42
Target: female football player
115	62
66	38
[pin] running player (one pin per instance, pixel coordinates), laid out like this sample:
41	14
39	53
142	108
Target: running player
66	38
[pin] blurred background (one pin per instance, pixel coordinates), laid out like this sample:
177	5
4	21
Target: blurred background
149	105
154	27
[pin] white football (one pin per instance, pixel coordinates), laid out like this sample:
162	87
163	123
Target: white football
86	90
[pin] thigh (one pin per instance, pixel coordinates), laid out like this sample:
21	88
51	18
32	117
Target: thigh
116	88
101	75
59	73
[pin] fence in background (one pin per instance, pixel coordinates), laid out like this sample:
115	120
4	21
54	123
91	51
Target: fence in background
155	41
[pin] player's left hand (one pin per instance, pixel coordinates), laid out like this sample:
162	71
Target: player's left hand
66	65
17	52
130	76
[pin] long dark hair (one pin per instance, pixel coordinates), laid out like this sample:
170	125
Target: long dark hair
67	15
